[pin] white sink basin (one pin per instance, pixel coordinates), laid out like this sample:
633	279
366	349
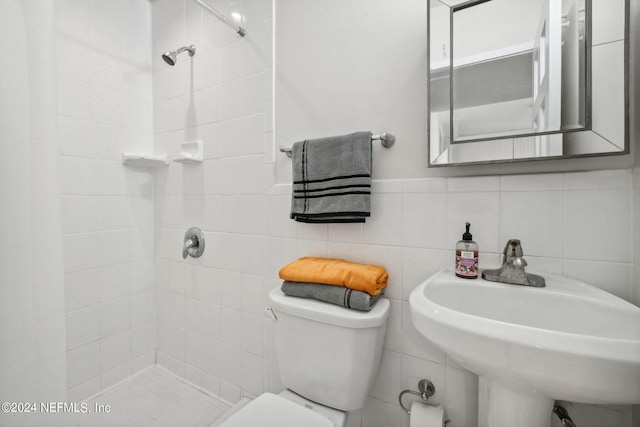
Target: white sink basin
566	341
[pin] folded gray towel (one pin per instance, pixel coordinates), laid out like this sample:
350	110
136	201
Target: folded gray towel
337	295
332	179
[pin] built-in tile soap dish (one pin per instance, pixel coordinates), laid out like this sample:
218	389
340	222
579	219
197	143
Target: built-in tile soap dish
144	160
191	152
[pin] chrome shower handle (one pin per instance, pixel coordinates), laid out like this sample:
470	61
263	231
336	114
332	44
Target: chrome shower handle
193	243
189	243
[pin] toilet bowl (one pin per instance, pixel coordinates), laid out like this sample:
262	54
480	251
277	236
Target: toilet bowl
328	357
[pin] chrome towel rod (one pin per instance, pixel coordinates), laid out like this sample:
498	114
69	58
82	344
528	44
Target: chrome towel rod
386	139
221	17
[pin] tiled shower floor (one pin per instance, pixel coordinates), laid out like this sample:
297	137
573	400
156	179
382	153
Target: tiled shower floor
152	398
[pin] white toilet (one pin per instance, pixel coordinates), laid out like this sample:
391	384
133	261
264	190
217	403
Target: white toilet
328	358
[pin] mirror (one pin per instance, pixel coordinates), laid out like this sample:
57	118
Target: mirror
525	80
513	75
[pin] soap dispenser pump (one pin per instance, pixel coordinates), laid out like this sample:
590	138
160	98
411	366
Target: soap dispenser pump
467	256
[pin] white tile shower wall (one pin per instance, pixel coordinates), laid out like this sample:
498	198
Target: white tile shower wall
105	107
210	327
209	320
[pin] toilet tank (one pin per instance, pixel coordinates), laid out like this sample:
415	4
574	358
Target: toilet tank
326	353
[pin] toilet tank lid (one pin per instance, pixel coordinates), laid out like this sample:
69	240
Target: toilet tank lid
329	313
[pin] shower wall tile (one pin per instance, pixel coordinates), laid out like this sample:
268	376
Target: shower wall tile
81	212
114	376
86	359
76	99
257	55
74	20
143	344
218	96
241	137
80	251
82	289
230	63
231	99
83	326
207	105
113	281
115	350
112	247
105	108
143	307
77	176
77	137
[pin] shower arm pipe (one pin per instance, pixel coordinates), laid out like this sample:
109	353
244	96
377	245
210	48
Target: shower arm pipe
386	139
191	49
221	17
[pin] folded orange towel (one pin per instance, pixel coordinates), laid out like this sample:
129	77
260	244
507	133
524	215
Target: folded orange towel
368	278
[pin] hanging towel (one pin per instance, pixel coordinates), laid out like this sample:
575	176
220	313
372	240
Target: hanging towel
368	278
337	295
332	179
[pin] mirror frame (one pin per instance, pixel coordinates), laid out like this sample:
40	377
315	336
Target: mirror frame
575	135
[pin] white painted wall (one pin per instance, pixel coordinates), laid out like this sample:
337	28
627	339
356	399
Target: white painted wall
32	353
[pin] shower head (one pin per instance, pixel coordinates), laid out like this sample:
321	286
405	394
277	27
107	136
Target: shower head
171	56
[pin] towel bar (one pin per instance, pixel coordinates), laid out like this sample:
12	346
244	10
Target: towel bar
386	139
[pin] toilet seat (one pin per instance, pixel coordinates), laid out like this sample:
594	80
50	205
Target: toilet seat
271	410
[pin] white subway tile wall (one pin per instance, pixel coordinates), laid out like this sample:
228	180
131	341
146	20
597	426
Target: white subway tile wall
105	107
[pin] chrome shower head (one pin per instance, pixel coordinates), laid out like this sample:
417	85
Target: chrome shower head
171	56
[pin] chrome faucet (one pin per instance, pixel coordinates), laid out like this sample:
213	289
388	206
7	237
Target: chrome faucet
512	270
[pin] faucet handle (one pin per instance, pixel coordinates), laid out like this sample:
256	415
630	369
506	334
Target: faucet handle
193	243
513	254
513	248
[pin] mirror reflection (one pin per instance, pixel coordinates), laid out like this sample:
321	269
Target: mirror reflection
515	80
515	74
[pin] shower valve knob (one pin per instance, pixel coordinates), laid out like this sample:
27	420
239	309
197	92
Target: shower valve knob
193	243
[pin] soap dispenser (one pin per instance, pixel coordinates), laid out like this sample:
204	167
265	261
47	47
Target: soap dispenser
467	256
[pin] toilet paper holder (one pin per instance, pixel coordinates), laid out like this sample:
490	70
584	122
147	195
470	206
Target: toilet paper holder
426	389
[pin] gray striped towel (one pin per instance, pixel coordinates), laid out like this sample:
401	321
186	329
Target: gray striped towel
332	179
338	295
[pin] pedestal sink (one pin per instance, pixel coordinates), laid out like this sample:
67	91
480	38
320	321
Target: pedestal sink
531	346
